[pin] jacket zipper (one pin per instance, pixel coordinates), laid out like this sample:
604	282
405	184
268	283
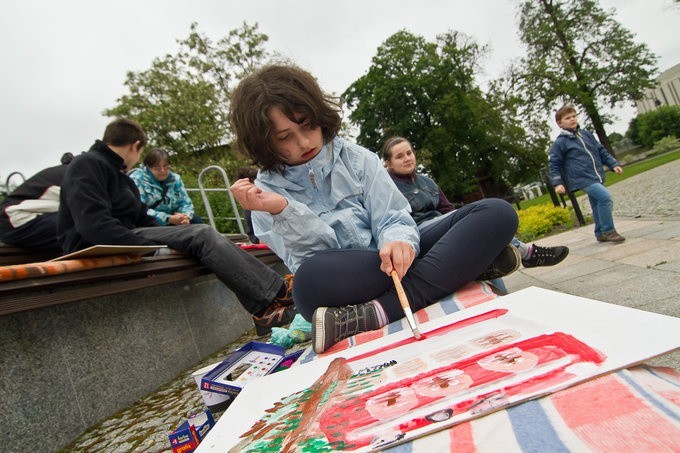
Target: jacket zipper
312	178
591	157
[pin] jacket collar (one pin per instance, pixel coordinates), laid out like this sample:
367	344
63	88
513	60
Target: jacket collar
406	178
569	132
103	150
321	163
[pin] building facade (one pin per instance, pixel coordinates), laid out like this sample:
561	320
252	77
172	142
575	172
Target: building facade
666	92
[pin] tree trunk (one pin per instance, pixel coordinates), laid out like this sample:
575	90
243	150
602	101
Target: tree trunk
587	98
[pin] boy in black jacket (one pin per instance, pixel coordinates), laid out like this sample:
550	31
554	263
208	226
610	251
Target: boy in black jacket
100	204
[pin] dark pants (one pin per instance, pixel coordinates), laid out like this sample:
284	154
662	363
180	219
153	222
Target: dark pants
453	252
40	233
254	283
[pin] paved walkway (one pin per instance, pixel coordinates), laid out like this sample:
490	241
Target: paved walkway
643	272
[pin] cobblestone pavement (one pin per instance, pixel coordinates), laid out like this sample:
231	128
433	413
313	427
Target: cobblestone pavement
654	193
144	427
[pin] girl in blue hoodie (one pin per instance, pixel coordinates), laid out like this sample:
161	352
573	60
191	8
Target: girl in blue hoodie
328	207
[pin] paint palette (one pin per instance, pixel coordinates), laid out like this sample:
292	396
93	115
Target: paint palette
252	361
253	365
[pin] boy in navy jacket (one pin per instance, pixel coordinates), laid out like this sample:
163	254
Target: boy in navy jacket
576	160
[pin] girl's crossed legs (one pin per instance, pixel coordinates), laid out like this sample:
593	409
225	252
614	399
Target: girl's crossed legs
454	251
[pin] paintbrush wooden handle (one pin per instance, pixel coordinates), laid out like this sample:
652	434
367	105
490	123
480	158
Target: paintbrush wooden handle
400	291
405	305
403	300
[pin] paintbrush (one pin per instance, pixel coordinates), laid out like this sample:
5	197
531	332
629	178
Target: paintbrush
406	306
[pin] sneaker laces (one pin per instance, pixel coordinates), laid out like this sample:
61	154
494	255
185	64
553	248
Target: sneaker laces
275	311
342	327
541	254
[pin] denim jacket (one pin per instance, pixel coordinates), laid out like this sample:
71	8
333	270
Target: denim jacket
176	198
579	157
341	199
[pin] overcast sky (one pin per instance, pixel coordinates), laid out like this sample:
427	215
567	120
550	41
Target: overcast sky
64	61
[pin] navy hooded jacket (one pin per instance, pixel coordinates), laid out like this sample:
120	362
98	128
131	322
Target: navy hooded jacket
578	157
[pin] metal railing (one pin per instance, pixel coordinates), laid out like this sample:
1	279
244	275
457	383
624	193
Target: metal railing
206	202
8	187
547	180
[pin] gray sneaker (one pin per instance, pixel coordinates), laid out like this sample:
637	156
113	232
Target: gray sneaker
505	263
332	324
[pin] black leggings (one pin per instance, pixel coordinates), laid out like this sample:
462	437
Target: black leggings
453	251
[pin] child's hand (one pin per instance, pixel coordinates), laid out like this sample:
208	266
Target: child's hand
560	189
253	198
397	255
618	170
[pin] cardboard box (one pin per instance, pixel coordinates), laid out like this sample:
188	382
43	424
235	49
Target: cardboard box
216	402
251	361
189	434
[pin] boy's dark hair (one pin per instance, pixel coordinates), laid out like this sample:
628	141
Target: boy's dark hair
122	132
155	157
386	151
291	89
563	111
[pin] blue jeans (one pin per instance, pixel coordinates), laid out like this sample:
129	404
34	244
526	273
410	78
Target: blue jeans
453	251
602	204
254	283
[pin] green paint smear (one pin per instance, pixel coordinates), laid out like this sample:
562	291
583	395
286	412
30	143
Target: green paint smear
315	444
274	445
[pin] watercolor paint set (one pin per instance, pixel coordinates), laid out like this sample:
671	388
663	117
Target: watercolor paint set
251	361
189	434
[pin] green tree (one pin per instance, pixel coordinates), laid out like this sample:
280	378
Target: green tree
577	52
426	91
182	100
527	133
648	128
615	137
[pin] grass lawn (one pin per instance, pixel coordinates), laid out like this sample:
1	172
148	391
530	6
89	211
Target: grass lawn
612	178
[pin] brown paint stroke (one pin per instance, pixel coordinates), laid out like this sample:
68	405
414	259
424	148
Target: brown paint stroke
338	372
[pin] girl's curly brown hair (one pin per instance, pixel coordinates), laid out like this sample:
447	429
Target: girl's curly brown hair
291	89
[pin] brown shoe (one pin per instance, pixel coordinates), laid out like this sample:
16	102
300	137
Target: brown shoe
276	315
287	299
610	236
